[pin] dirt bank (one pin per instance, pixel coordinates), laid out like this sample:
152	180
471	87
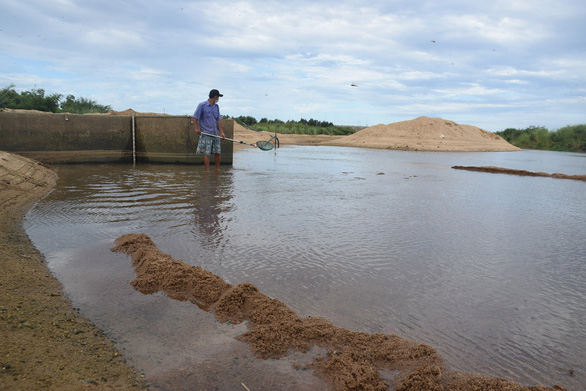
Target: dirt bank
419	134
44	342
354	360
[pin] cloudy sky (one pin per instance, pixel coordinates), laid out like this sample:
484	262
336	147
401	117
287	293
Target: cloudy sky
493	64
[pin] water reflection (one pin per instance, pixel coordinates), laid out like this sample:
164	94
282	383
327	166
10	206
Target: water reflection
487	268
211	199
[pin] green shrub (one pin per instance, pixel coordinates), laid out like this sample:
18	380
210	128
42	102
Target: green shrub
36	99
310	127
568	138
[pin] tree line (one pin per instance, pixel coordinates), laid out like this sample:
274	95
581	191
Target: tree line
303	126
248	120
568	138
37	99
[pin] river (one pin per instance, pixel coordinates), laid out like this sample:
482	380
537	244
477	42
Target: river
489	269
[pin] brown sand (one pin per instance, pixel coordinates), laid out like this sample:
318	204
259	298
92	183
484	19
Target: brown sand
111	112
44	342
499	170
419	134
353	360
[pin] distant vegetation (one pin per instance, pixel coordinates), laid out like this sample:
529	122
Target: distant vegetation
36	99
303	126
569	138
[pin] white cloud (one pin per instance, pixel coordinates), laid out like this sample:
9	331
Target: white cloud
503	31
111	36
516	82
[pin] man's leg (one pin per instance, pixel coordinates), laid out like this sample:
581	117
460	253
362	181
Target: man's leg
217	158
206	162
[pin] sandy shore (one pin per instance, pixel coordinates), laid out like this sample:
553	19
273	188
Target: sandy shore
44	342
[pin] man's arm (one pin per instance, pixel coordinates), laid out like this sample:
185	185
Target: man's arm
196	125
221	130
195	116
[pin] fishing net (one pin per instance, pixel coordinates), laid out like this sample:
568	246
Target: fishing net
265	145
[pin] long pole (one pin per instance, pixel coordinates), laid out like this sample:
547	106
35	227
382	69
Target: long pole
229	139
133	142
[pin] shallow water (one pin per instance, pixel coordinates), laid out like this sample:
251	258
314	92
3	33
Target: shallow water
489	269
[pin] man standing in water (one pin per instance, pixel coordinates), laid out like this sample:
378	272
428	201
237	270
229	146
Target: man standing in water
208	122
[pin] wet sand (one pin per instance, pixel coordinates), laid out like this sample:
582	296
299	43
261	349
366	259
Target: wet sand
354	360
44	342
509	171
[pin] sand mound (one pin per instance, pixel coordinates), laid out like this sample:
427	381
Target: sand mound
125	112
426	134
6	110
22	180
353	360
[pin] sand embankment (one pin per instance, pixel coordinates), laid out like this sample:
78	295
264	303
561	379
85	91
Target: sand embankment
419	134
44	342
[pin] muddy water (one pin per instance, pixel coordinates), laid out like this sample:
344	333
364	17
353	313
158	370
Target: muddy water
488	269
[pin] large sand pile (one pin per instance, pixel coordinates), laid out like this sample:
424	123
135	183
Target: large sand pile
426	134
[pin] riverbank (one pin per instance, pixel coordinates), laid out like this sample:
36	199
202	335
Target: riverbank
44	342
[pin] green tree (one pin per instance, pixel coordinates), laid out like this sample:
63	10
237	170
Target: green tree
569	138
8	97
82	106
247	120
36	99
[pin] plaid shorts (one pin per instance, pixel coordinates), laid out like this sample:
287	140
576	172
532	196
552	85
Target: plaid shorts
208	145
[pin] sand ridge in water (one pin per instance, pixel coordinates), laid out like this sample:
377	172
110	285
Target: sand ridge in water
510	171
354	360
